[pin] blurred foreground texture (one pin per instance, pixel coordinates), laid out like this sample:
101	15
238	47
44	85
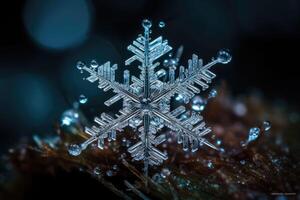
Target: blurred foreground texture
265	168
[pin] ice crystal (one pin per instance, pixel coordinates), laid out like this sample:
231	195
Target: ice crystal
147	99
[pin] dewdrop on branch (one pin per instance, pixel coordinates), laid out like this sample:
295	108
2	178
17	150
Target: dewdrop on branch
146	99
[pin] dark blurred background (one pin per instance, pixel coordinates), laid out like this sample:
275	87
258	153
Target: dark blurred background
41	41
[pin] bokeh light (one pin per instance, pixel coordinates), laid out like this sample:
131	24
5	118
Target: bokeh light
57	24
30	101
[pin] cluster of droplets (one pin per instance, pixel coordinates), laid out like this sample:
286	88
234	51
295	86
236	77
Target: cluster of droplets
198	103
255	132
80	65
159	177
70	116
97	171
105	70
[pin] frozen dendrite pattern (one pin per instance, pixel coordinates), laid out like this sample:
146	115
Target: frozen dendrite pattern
146	100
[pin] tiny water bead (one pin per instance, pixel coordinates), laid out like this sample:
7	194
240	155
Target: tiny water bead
161	24
157	178
212	94
115	167
253	134
266	125
97	171
165	172
198	104
80	65
161	73
109	173
222	150
66	121
74	150
210	165
124	140
83	99
179	97
94	64
146	23
224	56
69	117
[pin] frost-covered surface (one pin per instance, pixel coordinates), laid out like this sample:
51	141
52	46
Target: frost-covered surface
146	100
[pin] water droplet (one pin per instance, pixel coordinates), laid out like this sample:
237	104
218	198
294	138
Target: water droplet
94	64
74	150
213	93
115	167
68	117
173	62
242	162
109	173
165	172
97	171
166	63
146	23
253	134
266	125
123	156
157	178
198	104
83	99
161	24
66	121
179	97
80	65
161	73
224	56
210	165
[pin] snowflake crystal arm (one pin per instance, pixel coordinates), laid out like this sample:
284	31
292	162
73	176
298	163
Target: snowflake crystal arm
146	52
105	74
196	73
186	131
107	127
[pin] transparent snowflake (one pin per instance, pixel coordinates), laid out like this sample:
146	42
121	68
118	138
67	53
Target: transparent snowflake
147	100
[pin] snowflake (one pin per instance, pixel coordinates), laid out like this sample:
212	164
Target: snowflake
147	99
